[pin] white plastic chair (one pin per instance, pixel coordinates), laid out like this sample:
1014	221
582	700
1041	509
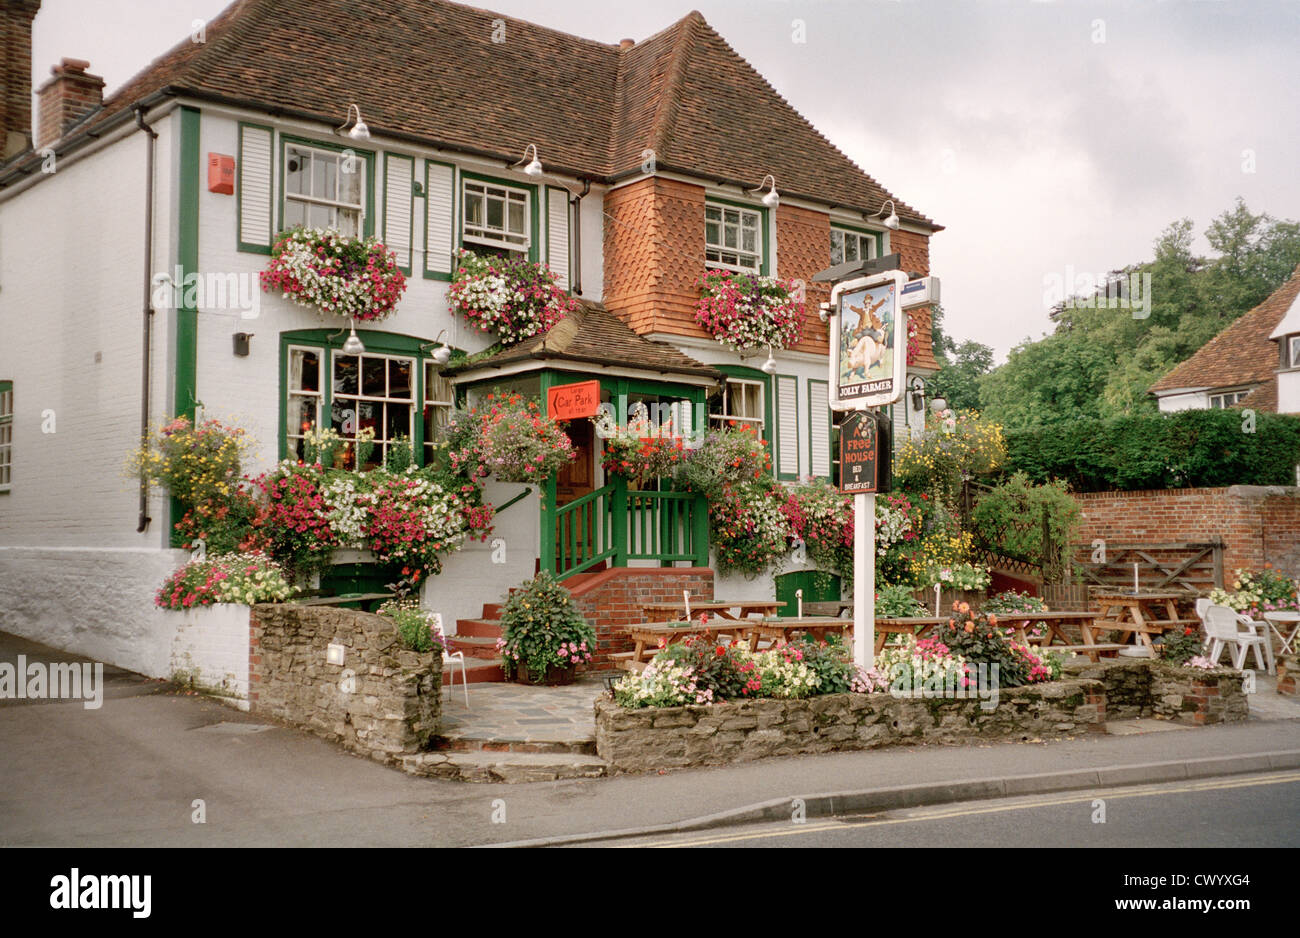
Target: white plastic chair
450	657
1253	628
1221	630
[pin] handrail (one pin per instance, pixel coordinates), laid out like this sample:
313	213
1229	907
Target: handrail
520	497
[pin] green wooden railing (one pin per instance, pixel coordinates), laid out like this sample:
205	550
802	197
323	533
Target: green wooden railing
614	525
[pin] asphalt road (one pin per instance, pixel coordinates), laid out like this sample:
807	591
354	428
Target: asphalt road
1238	811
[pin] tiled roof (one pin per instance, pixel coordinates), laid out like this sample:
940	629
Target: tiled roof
593	335
431	70
1242	353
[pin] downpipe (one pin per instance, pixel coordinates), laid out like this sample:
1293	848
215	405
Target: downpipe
146	313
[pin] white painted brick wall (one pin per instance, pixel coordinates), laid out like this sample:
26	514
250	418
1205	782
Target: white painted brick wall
210	645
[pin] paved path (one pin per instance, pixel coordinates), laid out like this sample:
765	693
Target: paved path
128	774
517	712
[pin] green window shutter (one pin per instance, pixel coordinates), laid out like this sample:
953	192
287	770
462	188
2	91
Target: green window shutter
557	234
399	177
787	426
819	428
439	218
254	188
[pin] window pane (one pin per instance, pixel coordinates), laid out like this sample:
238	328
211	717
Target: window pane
345	374
372	376
729	237
296	169
851	249
399	421
516	218
712	213
495	214
473	209
304	370
399	378
350	181
749	240
731	216
711	233
295	213
319	216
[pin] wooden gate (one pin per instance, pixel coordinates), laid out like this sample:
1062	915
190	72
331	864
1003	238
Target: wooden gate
1192	566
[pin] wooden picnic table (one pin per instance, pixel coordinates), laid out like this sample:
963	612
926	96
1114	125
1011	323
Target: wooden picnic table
1138	616
721	608
652	637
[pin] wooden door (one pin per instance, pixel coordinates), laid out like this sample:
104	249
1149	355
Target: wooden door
577	530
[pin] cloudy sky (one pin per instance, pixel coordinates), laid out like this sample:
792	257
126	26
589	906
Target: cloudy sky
1041	134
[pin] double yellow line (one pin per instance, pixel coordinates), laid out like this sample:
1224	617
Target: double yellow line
937	814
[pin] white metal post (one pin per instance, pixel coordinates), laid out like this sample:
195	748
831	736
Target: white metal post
864	579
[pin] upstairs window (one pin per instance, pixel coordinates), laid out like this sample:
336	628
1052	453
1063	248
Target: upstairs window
739	402
1227	399
733	238
6	433
851	246
496	216
1294	357
323	189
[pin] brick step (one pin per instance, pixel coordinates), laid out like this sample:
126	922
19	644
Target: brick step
492	611
474	646
487	628
475	744
477	671
484	766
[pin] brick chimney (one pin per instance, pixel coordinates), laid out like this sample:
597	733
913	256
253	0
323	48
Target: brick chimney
16	75
66	98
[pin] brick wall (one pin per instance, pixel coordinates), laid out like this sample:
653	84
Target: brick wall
614	598
66	98
1258	524
16	74
654	256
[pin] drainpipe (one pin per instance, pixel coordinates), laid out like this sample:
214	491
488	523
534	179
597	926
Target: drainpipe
576	202
146	312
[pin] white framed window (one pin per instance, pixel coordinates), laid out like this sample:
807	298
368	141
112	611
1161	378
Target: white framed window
323	189
739	402
733	238
496	216
303	405
1227	399
372	392
1293	358
439	403
6	434
851	246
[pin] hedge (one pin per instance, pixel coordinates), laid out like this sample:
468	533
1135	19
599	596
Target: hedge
1188	449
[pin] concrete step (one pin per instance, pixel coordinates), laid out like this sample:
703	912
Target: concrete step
490	628
477	671
474	744
474	646
510	767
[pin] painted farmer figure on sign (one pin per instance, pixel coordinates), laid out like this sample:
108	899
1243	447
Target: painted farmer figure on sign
867	337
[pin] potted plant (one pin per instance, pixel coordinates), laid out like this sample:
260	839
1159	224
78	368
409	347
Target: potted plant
747	312
544	636
336	275
516	298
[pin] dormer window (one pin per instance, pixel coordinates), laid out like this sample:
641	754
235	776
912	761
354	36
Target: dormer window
733	238
323	189
496	216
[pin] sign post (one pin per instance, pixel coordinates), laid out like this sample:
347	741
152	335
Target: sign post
868	366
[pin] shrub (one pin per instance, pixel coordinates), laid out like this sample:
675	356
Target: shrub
542	627
224	525
898	602
979	640
227	578
1191	448
951	445
1255	593
1011	602
715	667
748	529
914	663
414	625
194	464
1181	646
516	298
1011	518
726	460
508	438
356	278
295	518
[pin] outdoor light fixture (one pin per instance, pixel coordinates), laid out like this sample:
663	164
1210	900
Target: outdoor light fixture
938	404
772	198
534	168
357	129
769	366
241	343
917	387
891	221
824	311
443	354
352	345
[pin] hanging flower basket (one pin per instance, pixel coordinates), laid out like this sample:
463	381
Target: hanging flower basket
515	298
353	278
913	340
748	312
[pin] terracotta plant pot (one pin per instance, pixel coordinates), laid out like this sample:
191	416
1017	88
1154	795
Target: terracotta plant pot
555	676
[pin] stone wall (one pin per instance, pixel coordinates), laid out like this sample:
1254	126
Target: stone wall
1082	702
382	700
675	737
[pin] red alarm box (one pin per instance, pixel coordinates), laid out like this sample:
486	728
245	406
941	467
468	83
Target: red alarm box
221	173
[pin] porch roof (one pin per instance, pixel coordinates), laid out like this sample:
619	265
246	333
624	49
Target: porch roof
594	336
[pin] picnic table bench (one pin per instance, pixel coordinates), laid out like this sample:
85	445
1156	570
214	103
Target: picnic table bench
721	608
652	637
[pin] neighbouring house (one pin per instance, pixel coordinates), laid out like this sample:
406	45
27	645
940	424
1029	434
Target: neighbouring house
1254	363
653	156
